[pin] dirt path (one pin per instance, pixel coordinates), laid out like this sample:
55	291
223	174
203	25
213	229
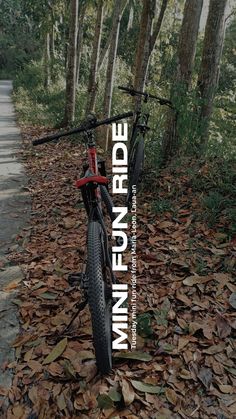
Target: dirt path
14	208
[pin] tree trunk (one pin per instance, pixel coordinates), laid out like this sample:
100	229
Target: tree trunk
52	36
104	51
80	36
52	51
188	41
47	68
143	48
118	10
182	80
71	71
157	27
210	64
146	42
92	84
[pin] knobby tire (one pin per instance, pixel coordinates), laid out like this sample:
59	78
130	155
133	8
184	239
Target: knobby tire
99	303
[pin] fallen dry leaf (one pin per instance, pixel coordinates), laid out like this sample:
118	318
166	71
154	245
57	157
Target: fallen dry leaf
223	327
128	392
171	396
226	389
183	341
56	352
205	376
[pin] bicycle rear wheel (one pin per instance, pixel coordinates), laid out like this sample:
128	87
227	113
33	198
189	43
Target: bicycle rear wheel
100	302
136	163
106	198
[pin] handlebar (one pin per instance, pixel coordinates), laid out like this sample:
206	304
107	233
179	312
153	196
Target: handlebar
82	128
146	95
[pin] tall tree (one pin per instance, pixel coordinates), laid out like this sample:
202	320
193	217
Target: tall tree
117	14
80	36
105	49
142	52
47	57
71	71
210	64
183	75
92	84
147	38
52	42
188	41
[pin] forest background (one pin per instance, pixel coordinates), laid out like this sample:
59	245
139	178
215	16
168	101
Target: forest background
66	59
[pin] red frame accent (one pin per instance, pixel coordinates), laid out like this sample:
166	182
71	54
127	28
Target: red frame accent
93	169
101	180
92	159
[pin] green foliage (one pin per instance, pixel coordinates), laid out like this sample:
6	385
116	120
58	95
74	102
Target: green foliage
22	44
17	42
39	106
129	30
144	328
120	103
230	214
213	203
227	79
223	125
217	206
31	78
201	266
161	205
218	189
222	140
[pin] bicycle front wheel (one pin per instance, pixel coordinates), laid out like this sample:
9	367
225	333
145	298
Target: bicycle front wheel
136	163
99	301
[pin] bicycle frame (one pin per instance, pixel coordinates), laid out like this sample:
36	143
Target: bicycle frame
140	125
91	194
89	184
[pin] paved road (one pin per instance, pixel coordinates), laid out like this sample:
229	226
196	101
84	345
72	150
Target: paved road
14	211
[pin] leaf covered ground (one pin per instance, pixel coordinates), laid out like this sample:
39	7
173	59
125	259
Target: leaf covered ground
184	366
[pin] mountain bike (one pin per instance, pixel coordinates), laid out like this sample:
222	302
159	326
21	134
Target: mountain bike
98	277
136	146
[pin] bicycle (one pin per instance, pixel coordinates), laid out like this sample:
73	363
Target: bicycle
98	277
136	146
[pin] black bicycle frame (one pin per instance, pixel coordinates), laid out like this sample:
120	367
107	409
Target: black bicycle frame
140	126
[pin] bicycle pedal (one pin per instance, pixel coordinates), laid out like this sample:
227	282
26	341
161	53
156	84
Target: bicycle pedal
119	242
76	279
